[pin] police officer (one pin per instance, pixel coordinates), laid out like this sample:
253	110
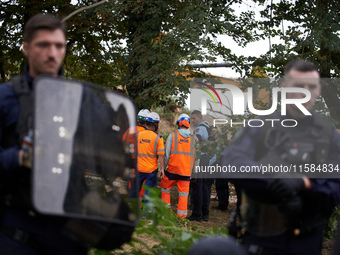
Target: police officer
222	188
287	215
179	159
150	147
216	246
200	187
24	231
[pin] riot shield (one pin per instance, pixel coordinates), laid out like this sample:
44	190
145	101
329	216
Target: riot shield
81	166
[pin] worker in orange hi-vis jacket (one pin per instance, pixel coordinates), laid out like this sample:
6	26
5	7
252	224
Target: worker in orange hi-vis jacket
130	136
150	151
179	159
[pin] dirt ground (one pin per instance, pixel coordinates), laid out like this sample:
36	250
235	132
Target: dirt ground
218	219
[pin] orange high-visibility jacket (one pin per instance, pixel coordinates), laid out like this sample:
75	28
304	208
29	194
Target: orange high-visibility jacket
130	136
182	154
149	145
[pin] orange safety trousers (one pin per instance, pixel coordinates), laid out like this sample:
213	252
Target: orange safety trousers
183	192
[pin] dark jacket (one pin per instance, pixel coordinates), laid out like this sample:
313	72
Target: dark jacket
16	209
245	150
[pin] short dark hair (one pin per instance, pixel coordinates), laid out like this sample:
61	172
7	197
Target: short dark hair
42	21
197	112
301	65
142	122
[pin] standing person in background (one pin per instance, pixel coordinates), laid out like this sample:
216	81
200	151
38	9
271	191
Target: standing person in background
130	136
288	215
200	187
222	187
222	190
150	147
23	230
179	159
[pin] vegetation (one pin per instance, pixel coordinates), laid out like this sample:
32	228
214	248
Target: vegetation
172	234
313	34
331	230
146	46
143	45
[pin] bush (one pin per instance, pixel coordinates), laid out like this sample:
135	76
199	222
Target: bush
172	234
332	225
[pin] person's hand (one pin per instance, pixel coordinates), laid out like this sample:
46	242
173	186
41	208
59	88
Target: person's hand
161	173
25	157
285	187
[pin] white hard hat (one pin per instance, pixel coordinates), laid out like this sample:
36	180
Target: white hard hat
153	117
183	120
182	117
142	114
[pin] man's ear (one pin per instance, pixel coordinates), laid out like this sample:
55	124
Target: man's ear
25	48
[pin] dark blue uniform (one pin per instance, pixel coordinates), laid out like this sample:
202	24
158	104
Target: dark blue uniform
24	231
200	188
323	193
222	189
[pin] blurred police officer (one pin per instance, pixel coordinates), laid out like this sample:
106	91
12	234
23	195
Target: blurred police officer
24	231
288	215
200	188
217	246
179	160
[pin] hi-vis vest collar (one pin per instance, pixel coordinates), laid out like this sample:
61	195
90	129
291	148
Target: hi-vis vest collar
192	145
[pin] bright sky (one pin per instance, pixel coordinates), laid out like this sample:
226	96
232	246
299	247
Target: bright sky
253	49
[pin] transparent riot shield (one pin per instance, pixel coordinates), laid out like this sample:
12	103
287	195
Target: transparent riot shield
82	167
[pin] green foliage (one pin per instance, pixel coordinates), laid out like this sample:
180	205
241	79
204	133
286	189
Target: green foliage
94	48
332	225
313	34
172	234
166	112
99	252
165	136
164	35
220	139
143	46
169	114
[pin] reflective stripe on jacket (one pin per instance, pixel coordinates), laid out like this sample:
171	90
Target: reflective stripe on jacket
130	136
149	145
182	154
